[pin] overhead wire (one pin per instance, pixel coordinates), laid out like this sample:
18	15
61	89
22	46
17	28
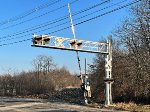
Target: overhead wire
93	18
87	20
55	20
29	12
53	26
51	11
61	23
95	5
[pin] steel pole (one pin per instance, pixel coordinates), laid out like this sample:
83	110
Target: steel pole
108	72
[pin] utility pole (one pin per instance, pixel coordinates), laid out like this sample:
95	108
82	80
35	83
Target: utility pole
38	77
85	84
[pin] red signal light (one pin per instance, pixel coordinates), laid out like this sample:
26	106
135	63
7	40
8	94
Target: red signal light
72	42
45	39
37	40
79	44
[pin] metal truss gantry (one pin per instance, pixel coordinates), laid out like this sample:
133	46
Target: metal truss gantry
62	43
73	44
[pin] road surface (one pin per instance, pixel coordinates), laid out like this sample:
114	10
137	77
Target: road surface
8	104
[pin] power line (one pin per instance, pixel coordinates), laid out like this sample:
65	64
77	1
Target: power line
102	9
108	12
29	12
35	32
81	16
5	37
64	22
38	16
89	8
57	20
55	25
116	9
56	10
87	20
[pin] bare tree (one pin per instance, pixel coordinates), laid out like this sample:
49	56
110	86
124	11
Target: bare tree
43	63
131	59
135	36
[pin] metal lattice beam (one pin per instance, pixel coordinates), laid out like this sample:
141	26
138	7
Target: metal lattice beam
80	45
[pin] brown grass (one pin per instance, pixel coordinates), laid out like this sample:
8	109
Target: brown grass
123	106
130	107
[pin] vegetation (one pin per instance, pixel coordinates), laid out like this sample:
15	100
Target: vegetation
46	78
131	60
131	67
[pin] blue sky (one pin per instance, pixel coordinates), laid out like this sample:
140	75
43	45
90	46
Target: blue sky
18	57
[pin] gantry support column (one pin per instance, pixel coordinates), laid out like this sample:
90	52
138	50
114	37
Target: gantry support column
108	72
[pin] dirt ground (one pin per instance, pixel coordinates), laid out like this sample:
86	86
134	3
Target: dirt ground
9	104
36	105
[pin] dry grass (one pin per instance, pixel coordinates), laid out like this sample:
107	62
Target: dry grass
123	106
130	107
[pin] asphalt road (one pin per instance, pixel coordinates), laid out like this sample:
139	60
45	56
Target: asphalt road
37	105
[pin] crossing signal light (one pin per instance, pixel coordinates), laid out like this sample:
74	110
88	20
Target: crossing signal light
72	42
45	39
75	43
79	43
83	86
37	39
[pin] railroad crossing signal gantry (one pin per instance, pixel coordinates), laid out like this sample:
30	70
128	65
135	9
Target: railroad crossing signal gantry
69	44
62	43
